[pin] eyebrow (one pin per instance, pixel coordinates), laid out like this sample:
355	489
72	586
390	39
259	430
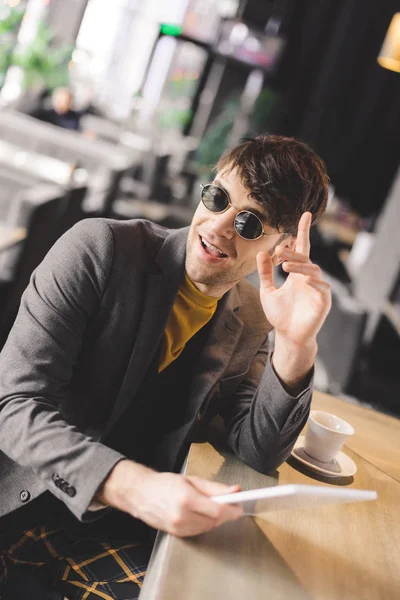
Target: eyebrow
260	214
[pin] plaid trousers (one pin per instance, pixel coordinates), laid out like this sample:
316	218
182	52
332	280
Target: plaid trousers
79	568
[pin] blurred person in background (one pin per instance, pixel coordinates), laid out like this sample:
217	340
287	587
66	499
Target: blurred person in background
129	338
61	112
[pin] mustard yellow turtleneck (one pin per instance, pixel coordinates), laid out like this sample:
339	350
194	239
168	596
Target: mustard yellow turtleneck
191	311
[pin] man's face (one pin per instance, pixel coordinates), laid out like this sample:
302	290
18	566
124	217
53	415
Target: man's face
212	273
62	100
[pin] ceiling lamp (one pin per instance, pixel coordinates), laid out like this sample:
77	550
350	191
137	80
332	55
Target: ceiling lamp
389	56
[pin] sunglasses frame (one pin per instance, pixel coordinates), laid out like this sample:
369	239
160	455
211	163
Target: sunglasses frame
229	204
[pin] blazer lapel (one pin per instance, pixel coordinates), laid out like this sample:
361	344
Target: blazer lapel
216	345
223	336
159	295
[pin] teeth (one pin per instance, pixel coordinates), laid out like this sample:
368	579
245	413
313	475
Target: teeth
211	246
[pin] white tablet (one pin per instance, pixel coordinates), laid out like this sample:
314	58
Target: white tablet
281	497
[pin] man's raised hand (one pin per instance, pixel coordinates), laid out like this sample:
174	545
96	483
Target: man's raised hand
299	307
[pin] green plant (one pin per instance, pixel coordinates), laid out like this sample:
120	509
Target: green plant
216	138
9	24
264	117
43	63
8	34
266	112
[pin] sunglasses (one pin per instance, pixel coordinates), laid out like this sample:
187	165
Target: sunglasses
247	225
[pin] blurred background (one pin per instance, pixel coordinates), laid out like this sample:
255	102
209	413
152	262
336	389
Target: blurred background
121	108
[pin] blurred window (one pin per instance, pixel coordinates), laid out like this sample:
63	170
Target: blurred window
118	39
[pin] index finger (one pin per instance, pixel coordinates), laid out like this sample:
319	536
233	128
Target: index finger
303	234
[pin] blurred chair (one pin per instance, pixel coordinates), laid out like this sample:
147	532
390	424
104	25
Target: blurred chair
45	203
340	338
71	210
13	183
105	163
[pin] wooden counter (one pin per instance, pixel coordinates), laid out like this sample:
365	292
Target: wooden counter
346	551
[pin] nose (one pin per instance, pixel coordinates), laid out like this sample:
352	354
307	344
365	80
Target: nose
222	223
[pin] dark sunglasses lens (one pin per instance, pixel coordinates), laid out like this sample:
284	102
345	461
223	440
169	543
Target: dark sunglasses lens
214	198
248	225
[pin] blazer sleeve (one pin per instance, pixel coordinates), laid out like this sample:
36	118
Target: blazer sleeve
37	362
262	420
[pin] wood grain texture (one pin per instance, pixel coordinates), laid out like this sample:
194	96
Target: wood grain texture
233	561
346	551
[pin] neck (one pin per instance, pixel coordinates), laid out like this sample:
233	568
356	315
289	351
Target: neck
214	290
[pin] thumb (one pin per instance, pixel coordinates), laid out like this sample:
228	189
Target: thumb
211	488
265	272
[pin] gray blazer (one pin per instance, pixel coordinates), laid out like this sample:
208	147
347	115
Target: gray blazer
88	326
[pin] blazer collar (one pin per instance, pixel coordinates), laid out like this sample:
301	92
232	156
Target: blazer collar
172	254
159	295
222	337
212	353
160	289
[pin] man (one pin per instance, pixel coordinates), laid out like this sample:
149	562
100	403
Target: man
61	112
129	337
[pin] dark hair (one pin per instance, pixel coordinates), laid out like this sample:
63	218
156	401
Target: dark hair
283	174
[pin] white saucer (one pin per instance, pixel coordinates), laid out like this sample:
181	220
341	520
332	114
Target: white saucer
341	466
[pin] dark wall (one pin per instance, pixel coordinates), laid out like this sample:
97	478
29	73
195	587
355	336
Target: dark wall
257	12
339	99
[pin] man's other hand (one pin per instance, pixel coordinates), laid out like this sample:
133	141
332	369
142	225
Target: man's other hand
178	504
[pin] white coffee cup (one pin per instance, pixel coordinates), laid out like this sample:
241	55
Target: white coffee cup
325	435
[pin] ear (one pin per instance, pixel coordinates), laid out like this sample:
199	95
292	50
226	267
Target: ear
289	242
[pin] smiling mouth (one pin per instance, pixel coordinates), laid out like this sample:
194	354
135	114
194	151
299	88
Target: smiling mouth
212	250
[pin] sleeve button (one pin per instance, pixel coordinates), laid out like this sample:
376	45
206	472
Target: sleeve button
71	491
297	415
24	496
